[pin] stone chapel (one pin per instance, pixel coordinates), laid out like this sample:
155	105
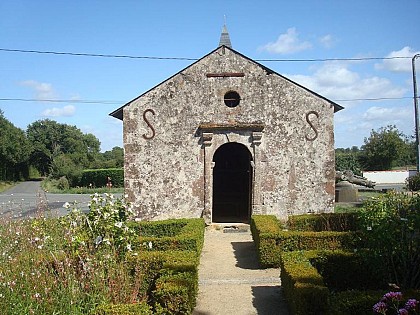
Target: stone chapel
226	138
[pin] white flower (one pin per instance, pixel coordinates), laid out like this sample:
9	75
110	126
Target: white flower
150	245
129	248
118	224
66	205
98	240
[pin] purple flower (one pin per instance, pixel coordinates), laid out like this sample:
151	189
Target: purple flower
402	311
380	308
411	304
392	296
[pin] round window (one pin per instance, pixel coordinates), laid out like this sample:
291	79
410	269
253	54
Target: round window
232	99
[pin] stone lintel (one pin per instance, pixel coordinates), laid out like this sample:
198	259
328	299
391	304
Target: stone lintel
225	75
212	127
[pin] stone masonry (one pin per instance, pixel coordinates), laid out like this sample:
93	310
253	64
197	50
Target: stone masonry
172	132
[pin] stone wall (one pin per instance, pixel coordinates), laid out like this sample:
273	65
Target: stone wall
172	131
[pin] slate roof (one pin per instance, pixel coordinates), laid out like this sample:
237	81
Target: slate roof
224	38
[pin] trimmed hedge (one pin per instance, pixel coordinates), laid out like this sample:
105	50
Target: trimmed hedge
99	177
183	234
271	241
175	293
338	222
264	229
168	271
344	271
327	282
302	285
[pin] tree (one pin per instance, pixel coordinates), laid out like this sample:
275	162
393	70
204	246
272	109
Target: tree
14	151
52	140
384	148
348	159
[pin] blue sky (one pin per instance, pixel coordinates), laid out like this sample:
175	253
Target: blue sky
191	29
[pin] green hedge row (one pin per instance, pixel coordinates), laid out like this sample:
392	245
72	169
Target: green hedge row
302	284
327	282
344	270
181	234
169	268
264	229
99	177
271	241
339	222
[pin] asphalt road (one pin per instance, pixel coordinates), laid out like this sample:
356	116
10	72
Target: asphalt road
27	199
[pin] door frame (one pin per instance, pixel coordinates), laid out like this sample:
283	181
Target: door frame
215	135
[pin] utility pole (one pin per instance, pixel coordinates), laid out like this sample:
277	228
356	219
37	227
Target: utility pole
416	109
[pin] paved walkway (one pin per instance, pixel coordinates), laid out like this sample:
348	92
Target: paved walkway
230	280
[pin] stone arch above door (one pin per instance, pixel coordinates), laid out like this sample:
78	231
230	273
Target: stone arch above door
213	136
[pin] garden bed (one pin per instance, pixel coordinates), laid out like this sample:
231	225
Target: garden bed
100	263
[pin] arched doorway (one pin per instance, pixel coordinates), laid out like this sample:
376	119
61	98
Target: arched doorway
232	182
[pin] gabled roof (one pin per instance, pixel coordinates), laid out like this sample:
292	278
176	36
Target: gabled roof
118	113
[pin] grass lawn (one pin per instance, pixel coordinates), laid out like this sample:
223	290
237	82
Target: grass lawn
6	185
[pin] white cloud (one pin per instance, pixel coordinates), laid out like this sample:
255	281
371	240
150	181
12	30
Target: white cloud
337	81
65	111
390	115
287	43
43	91
398	64
327	41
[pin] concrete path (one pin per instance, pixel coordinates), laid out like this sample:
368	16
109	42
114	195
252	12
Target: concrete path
230	280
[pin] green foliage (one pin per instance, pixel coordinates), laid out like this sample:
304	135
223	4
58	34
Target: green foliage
353	302
339	222
63	166
104	226
270	241
63	183
14	151
391	227
99	177
294	240
302	285
110	159
348	159
181	234
54	266
124	309
385	148
51	140
343	271
265	229
175	293
413	183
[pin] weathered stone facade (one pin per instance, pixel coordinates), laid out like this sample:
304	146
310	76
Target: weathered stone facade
180	156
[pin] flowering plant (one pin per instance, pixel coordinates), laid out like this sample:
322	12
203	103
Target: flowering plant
105	225
392	303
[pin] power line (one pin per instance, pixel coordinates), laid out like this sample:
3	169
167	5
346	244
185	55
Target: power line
108	102
59	101
375	99
94	55
195	59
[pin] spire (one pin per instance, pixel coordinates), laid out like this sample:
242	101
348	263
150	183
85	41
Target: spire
224	38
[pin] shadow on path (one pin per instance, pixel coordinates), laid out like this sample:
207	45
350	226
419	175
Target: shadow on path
268	300
246	255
